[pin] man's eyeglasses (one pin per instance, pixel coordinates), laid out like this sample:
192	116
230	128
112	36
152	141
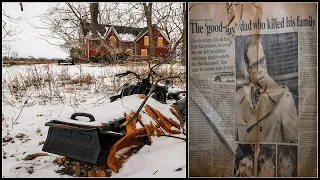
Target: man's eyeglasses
261	62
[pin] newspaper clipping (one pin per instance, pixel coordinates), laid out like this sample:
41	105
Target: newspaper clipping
253	89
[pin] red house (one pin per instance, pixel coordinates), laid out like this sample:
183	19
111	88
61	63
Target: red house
123	38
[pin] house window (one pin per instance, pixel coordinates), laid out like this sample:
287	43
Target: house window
112	40
130	51
144	52
146	41
160	41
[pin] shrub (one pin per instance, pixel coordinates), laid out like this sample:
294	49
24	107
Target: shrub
83	79
94	59
109	57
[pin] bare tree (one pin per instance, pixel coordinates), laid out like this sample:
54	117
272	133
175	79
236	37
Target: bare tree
6	49
67	22
21	6
9	30
148	14
94	11
15	54
7	22
171	18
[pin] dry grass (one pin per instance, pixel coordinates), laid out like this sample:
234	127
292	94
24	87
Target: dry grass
16	88
50	84
63	75
30	85
29	61
83	79
35	78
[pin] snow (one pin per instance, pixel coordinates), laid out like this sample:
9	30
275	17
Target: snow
81	122
168	153
123	150
110	111
93	69
173	89
127	37
163	156
107	30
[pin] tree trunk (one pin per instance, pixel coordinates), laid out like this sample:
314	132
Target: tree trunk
148	13
94	11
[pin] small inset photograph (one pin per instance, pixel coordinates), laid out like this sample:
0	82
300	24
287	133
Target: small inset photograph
244	160
287	161
224	77
267	160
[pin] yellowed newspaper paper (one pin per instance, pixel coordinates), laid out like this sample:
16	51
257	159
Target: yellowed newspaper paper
253	89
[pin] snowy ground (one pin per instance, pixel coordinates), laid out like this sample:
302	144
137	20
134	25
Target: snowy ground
27	113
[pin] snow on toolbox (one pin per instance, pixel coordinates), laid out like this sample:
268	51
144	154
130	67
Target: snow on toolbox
89	142
98	140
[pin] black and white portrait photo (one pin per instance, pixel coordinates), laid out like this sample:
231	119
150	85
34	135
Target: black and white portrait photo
267	160
267	88
287	161
244	160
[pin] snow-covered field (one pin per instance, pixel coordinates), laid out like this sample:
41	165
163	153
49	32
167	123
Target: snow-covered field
33	95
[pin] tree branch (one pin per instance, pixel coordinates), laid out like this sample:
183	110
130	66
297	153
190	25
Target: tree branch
78	16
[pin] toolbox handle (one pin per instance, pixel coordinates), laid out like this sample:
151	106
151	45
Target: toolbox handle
74	115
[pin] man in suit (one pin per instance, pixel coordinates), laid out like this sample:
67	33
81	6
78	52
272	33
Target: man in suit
265	111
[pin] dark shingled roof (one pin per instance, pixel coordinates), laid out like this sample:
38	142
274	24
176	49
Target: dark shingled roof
137	32
127	29
120	29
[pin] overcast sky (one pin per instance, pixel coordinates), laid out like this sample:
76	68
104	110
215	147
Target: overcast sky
25	43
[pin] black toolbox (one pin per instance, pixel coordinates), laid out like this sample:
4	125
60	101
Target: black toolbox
82	142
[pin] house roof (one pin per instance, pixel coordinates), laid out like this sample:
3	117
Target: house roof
109	29
124	36
127	37
103	28
126	29
125	33
142	32
145	30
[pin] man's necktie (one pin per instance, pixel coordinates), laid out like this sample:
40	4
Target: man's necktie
255	96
